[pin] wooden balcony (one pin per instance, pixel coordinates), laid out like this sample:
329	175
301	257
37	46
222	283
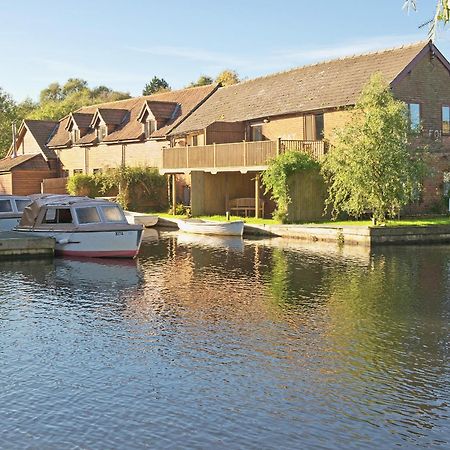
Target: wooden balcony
238	156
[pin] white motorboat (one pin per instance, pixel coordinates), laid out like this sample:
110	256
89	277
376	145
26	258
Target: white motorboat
199	226
11	210
82	226
148	220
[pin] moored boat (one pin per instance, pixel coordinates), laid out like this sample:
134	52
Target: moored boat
199	226
148	220
11	210
82	226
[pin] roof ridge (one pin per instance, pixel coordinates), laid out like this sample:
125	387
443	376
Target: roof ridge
146	97
328	61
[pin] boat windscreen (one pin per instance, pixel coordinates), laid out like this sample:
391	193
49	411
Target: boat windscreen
5	206
88	214
113	214
21	204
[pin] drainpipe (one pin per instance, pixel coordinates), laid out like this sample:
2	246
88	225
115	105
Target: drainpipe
14	138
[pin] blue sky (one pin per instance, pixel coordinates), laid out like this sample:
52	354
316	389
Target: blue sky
123	44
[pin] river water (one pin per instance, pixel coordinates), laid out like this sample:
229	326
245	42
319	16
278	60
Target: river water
210	343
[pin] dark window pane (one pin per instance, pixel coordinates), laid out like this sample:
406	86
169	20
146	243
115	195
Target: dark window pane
319	127
21	204
5	206
257	133
64	216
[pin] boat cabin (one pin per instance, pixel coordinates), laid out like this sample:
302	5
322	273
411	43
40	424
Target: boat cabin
64	212
12	205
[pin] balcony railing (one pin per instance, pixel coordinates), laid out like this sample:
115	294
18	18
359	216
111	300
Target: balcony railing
236	155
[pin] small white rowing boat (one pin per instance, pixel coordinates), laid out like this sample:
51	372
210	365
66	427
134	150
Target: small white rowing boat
199	226
147	220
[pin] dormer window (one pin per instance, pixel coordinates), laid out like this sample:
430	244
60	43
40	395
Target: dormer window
102	132
149	127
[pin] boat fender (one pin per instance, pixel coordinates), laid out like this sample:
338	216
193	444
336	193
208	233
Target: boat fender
63	241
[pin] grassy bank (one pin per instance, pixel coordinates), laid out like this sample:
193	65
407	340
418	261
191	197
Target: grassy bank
420	221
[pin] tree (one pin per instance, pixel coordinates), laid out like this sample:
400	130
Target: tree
372	165
56	101
227	78
8	115
441	15
203	80
156	85
52	93
73	85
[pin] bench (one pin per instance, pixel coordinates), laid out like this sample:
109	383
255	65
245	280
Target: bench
244	205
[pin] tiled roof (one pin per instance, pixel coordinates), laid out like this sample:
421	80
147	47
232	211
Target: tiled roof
324	85
8	163
82	120
131	129
41	131
112	116
162	110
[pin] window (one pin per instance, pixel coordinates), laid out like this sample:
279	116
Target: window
65	173
319	126
22	204
195	140
88	215
149	128
5	206
60	215
102	132
113	214
75	171
308	128
446	119
256	133
94	171
75	135
414	115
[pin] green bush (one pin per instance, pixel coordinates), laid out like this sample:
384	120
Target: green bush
82	184
275	178
135	184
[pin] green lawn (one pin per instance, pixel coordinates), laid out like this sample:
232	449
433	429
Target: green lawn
421	221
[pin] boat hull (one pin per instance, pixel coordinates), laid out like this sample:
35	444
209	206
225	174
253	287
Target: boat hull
147	220
8	223
95	244
235	228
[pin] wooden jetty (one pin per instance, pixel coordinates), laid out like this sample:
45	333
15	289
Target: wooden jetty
14	244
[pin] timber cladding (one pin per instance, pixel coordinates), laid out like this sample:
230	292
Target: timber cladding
6	183
26	182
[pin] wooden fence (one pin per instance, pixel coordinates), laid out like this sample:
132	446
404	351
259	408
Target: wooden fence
54	186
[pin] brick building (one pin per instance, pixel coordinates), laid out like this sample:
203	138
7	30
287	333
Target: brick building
227	142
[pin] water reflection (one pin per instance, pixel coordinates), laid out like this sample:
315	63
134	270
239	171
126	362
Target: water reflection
212	343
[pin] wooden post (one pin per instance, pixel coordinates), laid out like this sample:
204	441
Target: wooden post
257	195
245	153
174	193
278	146
86	160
